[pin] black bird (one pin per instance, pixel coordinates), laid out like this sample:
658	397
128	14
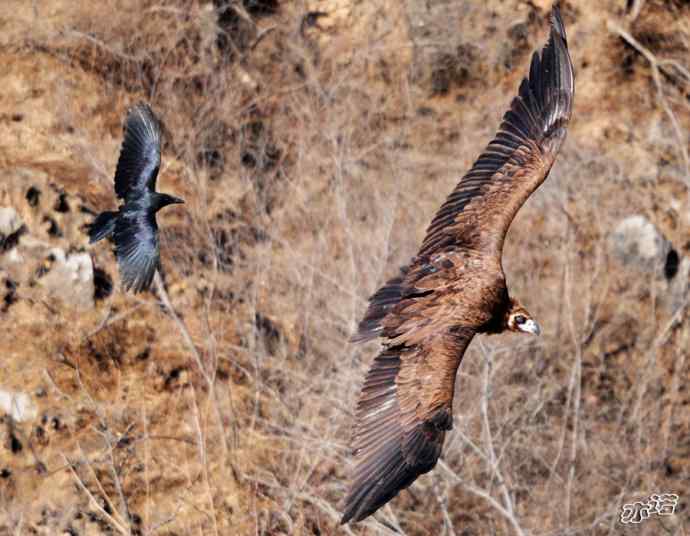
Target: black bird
133	227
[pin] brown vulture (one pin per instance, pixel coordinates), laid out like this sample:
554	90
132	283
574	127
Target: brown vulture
453	289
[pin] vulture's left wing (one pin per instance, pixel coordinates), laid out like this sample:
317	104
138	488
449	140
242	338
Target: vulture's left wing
479	211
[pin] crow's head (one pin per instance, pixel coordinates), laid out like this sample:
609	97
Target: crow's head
162	200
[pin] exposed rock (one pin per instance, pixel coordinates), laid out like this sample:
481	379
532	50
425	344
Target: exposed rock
17	405
71	278
10	221
11	229
636	242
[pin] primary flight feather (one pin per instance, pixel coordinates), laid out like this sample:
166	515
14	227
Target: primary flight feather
133	227
453	289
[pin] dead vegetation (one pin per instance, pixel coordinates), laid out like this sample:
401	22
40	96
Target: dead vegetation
312	144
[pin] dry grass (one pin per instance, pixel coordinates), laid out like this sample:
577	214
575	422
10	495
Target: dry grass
311	161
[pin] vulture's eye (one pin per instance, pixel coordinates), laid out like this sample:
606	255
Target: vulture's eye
520	319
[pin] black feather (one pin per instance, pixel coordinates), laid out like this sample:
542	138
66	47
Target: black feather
133	227
140	156
392	458
102	226
137	249
542	106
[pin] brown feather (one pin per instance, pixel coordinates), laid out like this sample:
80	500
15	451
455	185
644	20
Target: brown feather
453	289
397	438
479	211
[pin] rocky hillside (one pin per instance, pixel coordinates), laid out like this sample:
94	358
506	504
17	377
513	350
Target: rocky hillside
312	142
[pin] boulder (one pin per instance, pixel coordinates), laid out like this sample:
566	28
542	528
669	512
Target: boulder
70	278
17	405
10	222
637	243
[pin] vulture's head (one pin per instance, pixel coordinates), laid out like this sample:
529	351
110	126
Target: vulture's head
518	319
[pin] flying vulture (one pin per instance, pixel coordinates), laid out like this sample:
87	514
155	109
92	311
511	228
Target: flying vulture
133	227
453	289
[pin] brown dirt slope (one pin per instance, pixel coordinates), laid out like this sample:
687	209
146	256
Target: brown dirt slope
313	140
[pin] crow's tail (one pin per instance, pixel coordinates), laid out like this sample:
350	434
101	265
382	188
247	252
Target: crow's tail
102	226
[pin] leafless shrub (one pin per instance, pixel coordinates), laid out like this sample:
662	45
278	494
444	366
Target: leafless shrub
223	403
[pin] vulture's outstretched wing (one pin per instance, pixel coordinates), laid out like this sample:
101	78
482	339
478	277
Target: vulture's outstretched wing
137	249
479	211
140	155
428	315
406	402
402	416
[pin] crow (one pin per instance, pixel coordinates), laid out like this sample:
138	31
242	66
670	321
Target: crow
133	227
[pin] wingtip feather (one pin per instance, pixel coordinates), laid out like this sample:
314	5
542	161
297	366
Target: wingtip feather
391	451
557	26
545	100
557	51
139	161
142	121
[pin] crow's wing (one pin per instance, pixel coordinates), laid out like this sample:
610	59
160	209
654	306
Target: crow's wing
137	249
140	155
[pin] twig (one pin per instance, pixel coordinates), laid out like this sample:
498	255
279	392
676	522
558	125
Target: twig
443	503
484	408
660	340
102	45
121	529
109	319
657	67
574	394
165	299
167	520
203	452
636	8
676	380
106	434
210	380
263	33
484	495
147	462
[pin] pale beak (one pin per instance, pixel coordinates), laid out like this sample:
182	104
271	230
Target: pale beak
530	326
